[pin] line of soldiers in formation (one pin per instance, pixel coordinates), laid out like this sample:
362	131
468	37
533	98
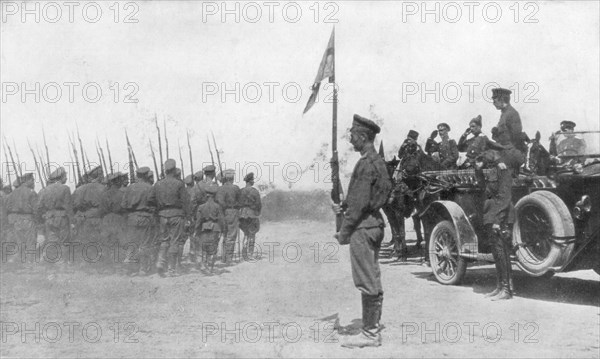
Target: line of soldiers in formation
146	224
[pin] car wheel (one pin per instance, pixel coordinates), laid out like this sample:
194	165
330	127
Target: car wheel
540	216
447	265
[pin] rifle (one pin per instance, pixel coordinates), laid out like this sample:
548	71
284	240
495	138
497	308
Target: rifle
131	170
7	170
18	159
100	156
162	166
212	159
218	157
110	163
72	163
190	151
181	160
153	156
43	166
12	158
79	178
166	138
130	148
47	152
83	156
37	167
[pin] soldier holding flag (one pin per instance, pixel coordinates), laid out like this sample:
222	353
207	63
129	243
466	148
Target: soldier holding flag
363	225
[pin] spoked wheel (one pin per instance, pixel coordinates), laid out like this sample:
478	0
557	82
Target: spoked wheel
446	263
541	217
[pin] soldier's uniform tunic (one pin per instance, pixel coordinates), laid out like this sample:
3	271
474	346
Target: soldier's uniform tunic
227	197
363	223
447	149
508	133
141	225
571	146
475	146
172	203
251	206
55	207
21	208
88	216
112	232
210	221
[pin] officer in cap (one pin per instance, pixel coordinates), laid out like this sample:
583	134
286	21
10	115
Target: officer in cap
21	210
362	227
509	130
250	207
141	224
447	150
476	144
228	197
210	221
565	142
172	203
55	207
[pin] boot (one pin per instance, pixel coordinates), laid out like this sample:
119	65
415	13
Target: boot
498	275
505	292
369	336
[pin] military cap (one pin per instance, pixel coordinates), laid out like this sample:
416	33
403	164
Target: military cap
57	174
112	177
143	171
211	189
360	122
413	134
209	168
170	164
499	92
26	177
229	173
443	124
476	120
95	173
16	183
567	124
188	180
198	176
123	177
249	177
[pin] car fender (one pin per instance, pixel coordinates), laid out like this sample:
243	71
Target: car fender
448	210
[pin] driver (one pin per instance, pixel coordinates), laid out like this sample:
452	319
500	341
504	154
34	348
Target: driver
565	143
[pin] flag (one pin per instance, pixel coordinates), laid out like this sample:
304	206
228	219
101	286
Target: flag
326	69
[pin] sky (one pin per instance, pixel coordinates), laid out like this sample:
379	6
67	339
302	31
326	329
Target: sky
243	70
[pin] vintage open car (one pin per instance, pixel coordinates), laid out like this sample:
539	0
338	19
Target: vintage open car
557	215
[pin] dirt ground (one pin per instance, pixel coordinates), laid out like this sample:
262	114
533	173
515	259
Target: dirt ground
298	300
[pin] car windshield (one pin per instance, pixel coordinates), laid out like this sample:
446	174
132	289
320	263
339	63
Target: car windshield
585	143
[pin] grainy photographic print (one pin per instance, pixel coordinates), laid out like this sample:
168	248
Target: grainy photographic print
300	179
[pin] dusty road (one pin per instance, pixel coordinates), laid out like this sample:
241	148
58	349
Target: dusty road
287	304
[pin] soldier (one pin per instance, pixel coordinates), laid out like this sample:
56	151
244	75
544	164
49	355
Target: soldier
509	130
249	213
447	149
88	216
172	203
141	224
113	220
475	145
209	177
210	221
498	217
228	197
55	207
363	225
564	142
21	210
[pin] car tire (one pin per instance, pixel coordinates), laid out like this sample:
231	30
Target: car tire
447	265
539	216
